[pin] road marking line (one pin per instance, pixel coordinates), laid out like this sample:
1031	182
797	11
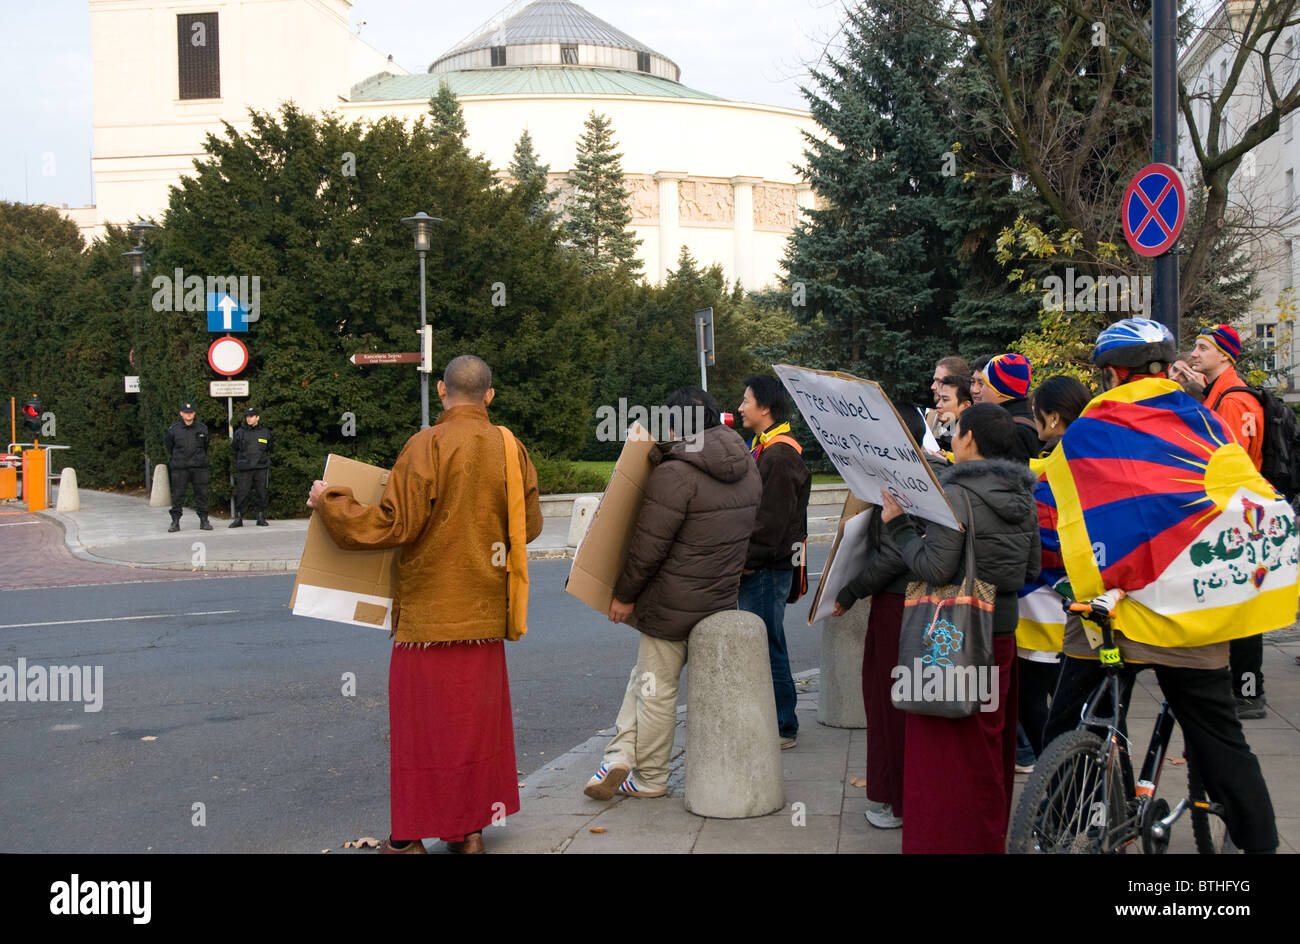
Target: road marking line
10	524
117	619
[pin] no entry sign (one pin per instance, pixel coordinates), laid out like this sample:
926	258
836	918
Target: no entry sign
1154	208
228	356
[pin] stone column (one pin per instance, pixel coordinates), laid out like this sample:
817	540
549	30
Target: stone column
839	696
733	749
743	193
804	196
670	240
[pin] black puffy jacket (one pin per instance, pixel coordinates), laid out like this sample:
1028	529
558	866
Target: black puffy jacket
187	446
252	446
1008	553
688	549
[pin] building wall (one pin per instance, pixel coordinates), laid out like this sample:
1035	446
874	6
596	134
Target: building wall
1262	191
715	153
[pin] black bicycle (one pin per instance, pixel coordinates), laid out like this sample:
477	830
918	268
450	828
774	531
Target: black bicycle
1082	796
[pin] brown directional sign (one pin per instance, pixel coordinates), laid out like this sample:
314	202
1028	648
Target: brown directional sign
394	357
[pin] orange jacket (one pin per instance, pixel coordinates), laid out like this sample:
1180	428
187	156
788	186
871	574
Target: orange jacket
1240	412
445	506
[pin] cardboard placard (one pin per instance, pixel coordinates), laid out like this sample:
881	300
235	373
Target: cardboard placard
599	558
355	587
858	427
847	556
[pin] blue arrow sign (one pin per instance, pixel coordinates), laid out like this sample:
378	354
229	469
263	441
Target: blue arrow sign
225	313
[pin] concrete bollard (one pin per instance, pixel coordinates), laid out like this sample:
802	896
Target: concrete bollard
584	509
69	498
733	750
839	695
161	496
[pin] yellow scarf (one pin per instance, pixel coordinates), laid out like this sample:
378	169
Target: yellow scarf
762	439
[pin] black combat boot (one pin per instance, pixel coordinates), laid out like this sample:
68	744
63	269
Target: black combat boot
204	524
237	523
261	520
176	525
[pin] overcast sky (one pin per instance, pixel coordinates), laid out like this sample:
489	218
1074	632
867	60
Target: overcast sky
750	50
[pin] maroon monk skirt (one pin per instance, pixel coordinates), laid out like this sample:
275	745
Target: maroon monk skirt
959	773
452	738
885	723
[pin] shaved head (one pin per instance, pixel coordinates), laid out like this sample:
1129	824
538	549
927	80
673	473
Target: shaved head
467	378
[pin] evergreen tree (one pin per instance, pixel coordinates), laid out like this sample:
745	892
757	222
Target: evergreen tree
876	261
531	174
337	277
599	215
448	121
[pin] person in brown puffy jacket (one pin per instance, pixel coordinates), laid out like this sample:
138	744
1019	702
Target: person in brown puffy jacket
683	564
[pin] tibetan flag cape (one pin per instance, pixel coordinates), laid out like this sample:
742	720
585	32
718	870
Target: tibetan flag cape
1042	620
1153	495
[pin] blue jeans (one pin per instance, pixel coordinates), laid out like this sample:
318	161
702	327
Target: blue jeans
764	593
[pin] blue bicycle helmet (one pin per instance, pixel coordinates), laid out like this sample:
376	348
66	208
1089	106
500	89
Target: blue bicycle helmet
1135	343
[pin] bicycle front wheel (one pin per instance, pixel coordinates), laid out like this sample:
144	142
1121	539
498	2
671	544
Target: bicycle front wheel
1066	806
1209	829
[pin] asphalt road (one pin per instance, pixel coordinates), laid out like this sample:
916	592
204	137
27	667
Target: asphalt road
224	726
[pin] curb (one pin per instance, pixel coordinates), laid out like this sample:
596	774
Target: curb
71	539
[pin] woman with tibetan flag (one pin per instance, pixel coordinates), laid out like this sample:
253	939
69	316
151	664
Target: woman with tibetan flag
1155	497
1056	404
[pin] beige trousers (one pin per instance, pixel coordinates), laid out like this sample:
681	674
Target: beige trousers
648	716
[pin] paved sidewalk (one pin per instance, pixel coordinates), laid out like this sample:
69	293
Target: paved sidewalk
112	528
823	813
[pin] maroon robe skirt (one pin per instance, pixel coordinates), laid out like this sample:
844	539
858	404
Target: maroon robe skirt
959	773
885	724
452	740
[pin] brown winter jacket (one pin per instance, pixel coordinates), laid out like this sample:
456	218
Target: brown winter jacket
692	533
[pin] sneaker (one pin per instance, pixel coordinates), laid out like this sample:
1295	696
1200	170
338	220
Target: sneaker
606	781
1249	709
631	788
882	817
1025	768
787	743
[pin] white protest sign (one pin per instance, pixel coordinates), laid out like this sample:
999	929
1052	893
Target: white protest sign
860	430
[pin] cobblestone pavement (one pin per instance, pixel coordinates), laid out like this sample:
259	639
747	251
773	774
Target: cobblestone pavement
33	555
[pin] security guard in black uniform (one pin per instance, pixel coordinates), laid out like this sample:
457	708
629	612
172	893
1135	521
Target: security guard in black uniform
187	462
252	446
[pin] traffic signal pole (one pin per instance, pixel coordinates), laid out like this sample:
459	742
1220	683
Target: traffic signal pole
1164	149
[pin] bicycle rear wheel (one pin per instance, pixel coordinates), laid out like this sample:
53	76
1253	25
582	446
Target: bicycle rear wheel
1063	809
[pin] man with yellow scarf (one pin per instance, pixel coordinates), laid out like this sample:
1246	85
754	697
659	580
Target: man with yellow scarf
776	548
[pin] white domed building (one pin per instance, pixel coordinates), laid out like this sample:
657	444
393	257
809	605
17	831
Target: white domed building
713	175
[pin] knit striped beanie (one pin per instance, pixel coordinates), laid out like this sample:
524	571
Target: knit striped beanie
1009	375
1225	338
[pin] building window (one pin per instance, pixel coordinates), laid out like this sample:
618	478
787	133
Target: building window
1266	341
569	55
198	56
1290	187
498	55
643	62
1288	267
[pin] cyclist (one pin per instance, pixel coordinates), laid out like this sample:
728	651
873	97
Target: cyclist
1194	678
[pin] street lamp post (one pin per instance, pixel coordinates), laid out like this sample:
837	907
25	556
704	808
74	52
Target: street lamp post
422	228
139	229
